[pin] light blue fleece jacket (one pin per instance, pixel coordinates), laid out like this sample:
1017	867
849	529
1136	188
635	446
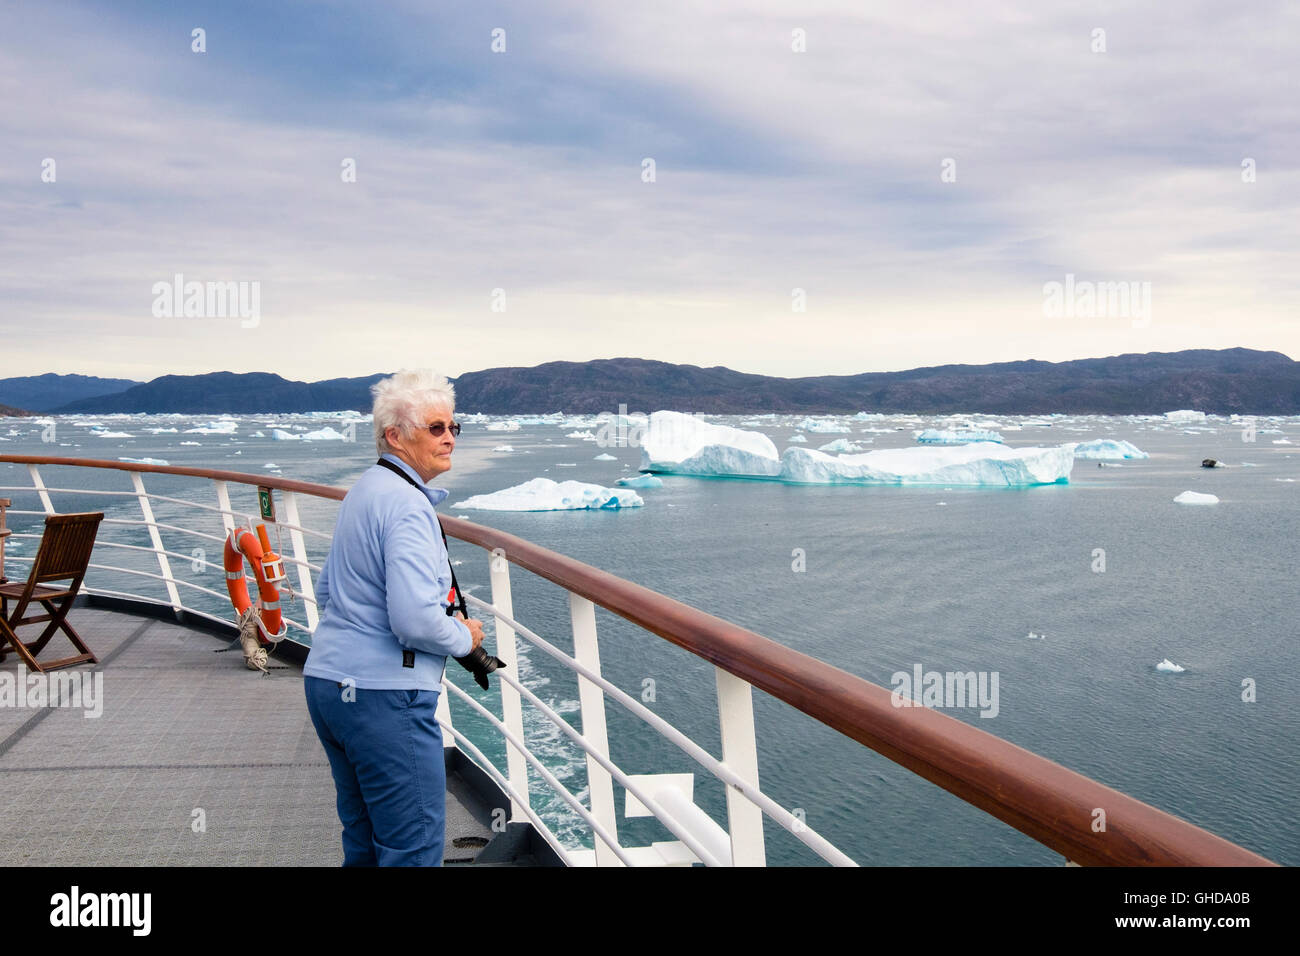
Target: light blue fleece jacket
384	588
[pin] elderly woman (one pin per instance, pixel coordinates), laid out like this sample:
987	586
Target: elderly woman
375	668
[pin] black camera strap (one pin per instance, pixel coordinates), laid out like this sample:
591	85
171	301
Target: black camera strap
460	599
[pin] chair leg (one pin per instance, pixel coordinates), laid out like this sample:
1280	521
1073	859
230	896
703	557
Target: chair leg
59	622
8	637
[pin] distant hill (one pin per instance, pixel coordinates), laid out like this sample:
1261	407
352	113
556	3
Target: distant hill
1242	381
10	410
1229	381
43	393
234	392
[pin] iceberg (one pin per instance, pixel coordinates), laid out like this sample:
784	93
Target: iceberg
198	443
504	448
586	435
224	426
844	446
1195	498
104	434
823	427
797	438
605	457
281	435
640	481
324	434
543	494
678	444
978	464
1169	667
682	444
945	436
1185	415
1108	449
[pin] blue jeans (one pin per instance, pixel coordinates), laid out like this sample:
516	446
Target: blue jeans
385	750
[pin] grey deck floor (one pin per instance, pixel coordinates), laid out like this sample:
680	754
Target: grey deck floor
183	729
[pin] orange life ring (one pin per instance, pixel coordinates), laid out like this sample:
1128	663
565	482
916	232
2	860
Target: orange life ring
268	567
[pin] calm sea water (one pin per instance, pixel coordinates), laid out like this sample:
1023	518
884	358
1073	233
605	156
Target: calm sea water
953	579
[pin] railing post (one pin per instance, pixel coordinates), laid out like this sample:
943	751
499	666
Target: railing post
147	510
40	489
600	785
512	711
300	555
740	754
4	533
223	502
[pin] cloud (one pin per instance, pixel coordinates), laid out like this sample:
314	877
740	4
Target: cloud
522	171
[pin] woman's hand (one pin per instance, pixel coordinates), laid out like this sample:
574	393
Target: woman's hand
475	630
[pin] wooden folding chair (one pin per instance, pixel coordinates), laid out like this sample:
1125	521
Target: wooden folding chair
64	555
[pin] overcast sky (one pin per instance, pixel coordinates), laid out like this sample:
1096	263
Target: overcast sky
919	170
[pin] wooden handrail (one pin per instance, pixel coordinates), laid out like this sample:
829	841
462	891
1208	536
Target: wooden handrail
1053	805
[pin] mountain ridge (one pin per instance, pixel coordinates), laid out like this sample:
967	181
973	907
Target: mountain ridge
1227	381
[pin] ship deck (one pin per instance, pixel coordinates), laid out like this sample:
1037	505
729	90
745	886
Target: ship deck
188	736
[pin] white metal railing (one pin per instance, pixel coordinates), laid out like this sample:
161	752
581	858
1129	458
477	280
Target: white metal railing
669	796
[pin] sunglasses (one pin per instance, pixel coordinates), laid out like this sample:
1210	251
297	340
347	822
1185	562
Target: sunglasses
438	428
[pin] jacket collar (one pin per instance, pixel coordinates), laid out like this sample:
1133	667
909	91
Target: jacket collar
435	495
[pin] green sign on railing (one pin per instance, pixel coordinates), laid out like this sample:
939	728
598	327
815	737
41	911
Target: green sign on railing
266	503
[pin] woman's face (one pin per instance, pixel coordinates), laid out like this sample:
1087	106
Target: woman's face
427	454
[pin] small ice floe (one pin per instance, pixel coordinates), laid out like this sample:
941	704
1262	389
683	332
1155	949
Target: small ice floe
1169	667
1284	479
943	504
605	457
1281	441
1196	498
1037	637
504	448
641	481
270	465
506	426
844	446
566	464
196	443
259	434
144	461
1249	464
796	438
99	434
586	435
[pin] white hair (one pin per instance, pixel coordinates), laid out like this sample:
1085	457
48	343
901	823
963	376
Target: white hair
401	401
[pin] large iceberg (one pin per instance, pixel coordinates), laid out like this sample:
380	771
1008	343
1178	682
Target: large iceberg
543	494
981	464
679	444
1108	449
685	445
1185	416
